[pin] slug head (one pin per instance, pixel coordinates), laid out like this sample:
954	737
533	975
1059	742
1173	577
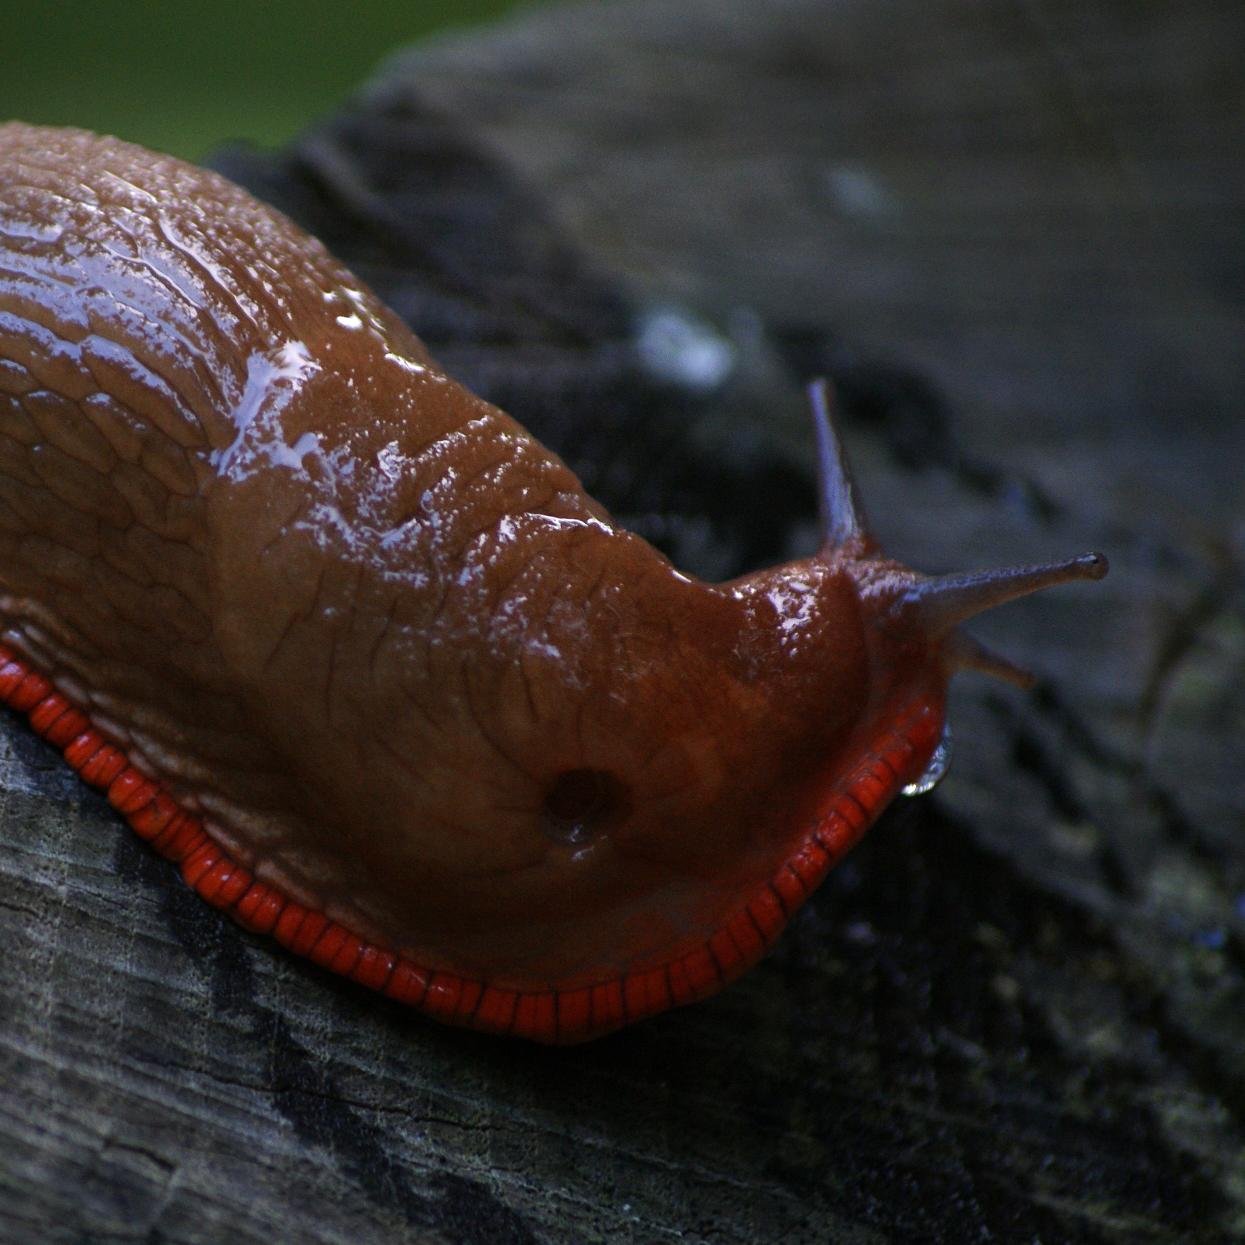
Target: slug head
823	655
638	749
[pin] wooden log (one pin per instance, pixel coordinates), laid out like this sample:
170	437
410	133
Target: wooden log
1012	235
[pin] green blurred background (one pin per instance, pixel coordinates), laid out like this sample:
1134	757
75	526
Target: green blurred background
183	77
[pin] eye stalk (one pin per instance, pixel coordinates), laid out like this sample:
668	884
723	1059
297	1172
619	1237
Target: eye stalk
842	516
944	602
934	606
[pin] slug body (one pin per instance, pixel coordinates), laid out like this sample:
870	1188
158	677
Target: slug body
358	652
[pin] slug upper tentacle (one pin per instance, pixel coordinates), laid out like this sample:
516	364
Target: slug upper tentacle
354	649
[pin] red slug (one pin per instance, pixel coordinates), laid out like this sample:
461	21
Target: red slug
353	649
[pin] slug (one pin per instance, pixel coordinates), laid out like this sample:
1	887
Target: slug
357	653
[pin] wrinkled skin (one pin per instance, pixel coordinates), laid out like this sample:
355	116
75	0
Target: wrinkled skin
358	617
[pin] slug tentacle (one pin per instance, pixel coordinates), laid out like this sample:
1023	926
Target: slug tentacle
842	516
942	603
945	601
360	655
968	653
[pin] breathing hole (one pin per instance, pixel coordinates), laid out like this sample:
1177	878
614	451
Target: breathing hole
581	803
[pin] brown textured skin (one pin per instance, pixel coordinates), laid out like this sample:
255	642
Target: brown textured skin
362	620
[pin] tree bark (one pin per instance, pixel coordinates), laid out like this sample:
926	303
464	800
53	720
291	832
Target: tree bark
1012	235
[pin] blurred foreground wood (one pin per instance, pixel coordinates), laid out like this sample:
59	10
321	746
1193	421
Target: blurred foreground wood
1012	234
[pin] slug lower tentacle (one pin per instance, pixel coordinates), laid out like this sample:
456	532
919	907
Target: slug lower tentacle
355	650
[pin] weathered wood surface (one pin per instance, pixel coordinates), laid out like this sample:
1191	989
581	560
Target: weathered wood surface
1013	234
